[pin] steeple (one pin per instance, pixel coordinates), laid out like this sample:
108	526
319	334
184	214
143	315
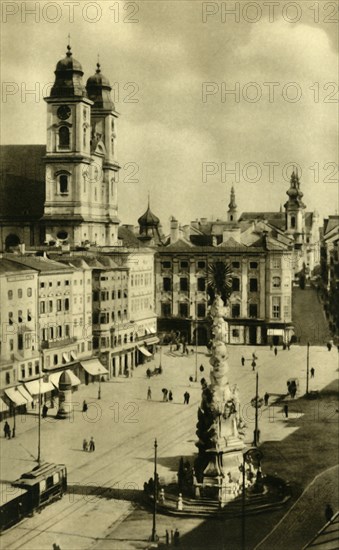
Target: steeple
68	78
294	207
99	90
232	207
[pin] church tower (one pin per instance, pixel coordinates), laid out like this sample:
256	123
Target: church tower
81	199
295	210
232	208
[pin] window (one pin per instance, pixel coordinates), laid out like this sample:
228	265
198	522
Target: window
19	292
276	307
253	285
286	311
276	282
235	310
67	331
29	315
10	294
253	265
201	310
50	306
20	342
42	285
42	307
253	310
10	317
183	309
63	184
166	265
59	331
236	265
67	282
166	309
55	359
276	263
183	265
8	378
67	304
58	305
235	284
36	368
167	284
23	372
183	284
29	292
20	317
30	370
63	136
119	294
235	333
201	265
201	283
293	222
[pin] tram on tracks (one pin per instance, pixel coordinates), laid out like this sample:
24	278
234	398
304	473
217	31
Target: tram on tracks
31	492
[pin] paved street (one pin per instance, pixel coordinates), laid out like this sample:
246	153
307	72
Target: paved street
128	424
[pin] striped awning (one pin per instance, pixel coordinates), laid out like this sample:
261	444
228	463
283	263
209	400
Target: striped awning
16	396
93	367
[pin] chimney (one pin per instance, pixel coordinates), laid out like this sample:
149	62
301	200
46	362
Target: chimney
174	225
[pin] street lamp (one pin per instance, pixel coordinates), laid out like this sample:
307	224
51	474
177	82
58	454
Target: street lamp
154	536
196	340
160	356
99	389
307	367
256	403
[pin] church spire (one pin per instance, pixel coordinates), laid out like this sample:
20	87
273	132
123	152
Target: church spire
232	207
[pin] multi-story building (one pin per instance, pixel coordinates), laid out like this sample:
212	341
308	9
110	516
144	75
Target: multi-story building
19	351
330	270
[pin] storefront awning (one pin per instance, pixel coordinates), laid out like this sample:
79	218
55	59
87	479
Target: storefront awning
152	330
25	393
93	367
275	332
15	396
153	340
54	378
65	358
3	406
73	356
144	351
35	387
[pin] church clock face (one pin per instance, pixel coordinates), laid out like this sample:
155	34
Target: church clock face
64	112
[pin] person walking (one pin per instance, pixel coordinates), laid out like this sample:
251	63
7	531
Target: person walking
84	407
243	361
253	365
188	398
275	351
167	537
328	512
149	393
92	444
164	392
266	398
170	396
286	410
176	537
44	410
7	431
312	372
85	445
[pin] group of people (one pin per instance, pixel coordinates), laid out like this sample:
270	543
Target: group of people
167	395
88	446
172	537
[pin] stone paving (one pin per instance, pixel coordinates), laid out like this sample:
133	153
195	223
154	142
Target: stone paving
124	425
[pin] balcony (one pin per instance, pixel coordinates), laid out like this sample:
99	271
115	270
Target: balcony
51	344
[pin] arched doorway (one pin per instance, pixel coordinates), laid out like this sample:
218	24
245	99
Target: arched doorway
11	241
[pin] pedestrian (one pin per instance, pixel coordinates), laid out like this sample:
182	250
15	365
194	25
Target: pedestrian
149	393
84	407
266	398
328	512
329	346
286	410
188	398
44	410
176	537
85	445
243	360
170	396
312	372
92	444
167	538
187	350
253	365
7	431
254	357
275	351
165	392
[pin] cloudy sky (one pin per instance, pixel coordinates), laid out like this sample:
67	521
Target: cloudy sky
170	64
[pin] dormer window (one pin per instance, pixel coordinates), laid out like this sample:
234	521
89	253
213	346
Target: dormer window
64	137
63	184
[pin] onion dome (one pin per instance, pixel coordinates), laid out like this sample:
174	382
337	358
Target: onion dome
294	193
68	78
65	381
99	90
148	219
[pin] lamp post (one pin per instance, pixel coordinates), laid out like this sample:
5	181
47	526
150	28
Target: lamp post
14	422
196	341
160	366
99	389
256	427
307	367
154	536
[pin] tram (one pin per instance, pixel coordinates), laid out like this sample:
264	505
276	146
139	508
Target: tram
32	491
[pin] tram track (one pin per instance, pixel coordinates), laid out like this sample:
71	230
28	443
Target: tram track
76	506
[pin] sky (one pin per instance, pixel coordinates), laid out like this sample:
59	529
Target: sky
181	137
